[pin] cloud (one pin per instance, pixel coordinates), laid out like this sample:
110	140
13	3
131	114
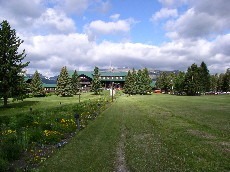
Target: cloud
202	20
164	13
115	17
173	3
100	27
76	52
55	22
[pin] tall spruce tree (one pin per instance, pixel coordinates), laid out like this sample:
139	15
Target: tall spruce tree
192	81
146	81
128	85
11	70
204	78
75	83
164	82
134	86
36	85
96	82
64	83
139	82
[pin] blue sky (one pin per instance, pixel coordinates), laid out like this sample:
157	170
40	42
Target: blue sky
158	34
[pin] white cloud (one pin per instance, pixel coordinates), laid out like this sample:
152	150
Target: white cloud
75	51
100	27
164	13
115	16
55	22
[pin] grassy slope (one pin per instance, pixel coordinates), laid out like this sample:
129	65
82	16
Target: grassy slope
162	133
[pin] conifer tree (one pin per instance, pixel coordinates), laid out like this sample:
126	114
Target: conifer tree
11	70
139	82
204	78
146	81
36	85
96	82
127	85
75	83
133	82
64	83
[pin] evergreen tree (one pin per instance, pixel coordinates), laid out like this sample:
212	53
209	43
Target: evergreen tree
204	78
139	81
11	70
146	81
192	81
96	82
36	85
214	82
164	82
64	83
133	82
179	83
226	81
128	85
75	83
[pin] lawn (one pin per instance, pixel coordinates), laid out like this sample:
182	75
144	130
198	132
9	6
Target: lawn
152	133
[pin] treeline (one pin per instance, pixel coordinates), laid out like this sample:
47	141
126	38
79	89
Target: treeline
137	82
66	85
195	81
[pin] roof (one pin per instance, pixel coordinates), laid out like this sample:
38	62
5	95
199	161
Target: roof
49	85
103	74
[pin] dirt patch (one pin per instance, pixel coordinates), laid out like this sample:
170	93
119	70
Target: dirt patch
120	160
201	134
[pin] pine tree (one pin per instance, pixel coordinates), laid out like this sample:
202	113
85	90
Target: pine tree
133	82
145	81
36	85
128	85
204	78
192	81
96	82
11	70
75	83
64	84
139	82
164	82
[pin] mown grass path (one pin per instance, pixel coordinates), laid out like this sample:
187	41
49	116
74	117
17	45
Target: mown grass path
152	133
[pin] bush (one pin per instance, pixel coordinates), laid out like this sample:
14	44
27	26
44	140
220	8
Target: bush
4	164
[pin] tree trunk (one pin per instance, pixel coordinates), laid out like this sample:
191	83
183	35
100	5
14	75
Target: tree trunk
5	101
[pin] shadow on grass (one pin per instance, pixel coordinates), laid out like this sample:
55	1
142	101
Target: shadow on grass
21	104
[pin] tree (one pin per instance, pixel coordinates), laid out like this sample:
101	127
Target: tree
192	81
128	84
11	70
213	82
36	85
96	82
145	81
226	81
133	82
164	82
75	83
179	83
204	78
64	84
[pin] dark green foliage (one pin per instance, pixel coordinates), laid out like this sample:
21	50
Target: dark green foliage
75	83
64	83
128	84
137	82
164	82
144	81
213	83
192	81
226	81
36	85
179	83
96	82
11	69
204	78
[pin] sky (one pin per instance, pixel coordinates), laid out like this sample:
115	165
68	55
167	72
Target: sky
157	34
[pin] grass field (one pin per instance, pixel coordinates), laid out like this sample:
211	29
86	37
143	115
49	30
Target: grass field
152	133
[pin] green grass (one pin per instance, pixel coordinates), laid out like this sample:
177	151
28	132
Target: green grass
43	103
161	133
